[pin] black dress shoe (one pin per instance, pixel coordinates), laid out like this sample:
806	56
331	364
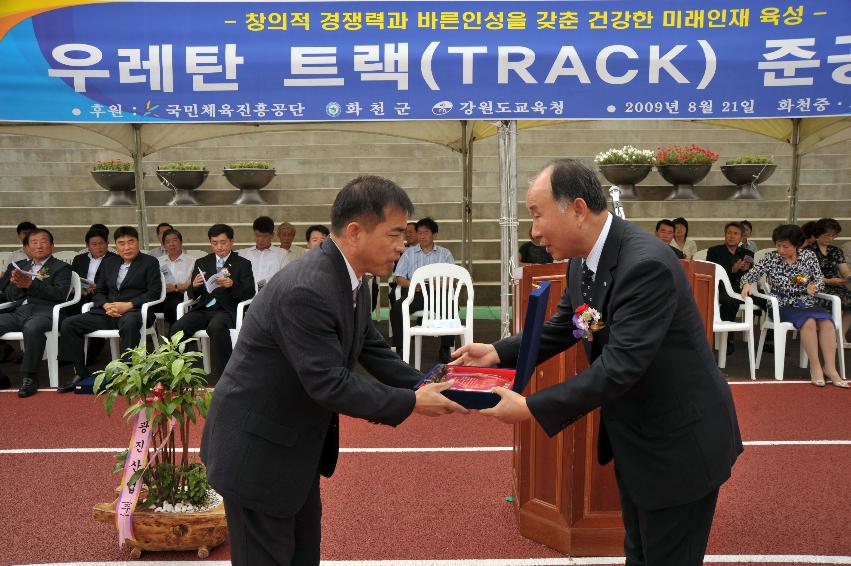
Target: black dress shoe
70	386
29	386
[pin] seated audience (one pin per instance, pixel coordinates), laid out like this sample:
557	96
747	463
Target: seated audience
35	287
286	235
87	265
410	240
533	252
809	231
795	277
834	266
746	237
22	230
266	259
162	227
315	235
176	265
681	241
122	284
215	310
104	232
665	232
426	252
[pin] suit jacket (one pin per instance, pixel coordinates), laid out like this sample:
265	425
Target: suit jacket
667	413
142	283
272	423
44	293
80	264
227	299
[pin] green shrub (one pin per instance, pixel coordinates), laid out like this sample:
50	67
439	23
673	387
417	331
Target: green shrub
751	160
182	166
113	165
249	165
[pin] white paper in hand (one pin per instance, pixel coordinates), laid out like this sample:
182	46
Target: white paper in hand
19	270
211	283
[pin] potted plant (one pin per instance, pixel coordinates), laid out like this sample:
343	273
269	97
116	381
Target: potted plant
182	177
747	172
116	176
683	166
625	167
249	177
165	393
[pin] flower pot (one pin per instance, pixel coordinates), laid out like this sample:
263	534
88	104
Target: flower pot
120	185
625	176
199	531
249	182
747	176
683	176
183	183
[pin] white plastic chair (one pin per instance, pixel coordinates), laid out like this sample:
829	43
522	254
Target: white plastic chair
113	336
65	255
771	322
51	350
700	255
836	314
204	338
723	327
397	291
440	284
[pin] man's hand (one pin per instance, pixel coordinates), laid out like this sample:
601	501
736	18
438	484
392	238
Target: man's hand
482	355
182	287
198	281
20	280
432	403
225	282
117	309
511	408
170	287
738	266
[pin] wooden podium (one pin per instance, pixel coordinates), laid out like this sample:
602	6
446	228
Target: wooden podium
562	497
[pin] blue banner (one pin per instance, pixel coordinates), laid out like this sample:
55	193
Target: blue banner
294	61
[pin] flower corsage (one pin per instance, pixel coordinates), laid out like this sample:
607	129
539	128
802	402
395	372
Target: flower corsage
225	272
800	279
42	274
587	321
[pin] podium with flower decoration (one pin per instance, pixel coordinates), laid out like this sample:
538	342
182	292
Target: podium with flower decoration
562	497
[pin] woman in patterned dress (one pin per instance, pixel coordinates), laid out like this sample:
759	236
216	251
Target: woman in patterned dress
834	267
795	277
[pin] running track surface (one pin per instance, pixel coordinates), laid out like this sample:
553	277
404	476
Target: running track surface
789	494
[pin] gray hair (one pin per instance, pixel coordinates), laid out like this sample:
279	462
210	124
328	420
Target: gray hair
570	180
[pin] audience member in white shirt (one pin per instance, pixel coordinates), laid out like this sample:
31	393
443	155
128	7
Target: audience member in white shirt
160	250
286	235
21	254
315	235
176	266
266	259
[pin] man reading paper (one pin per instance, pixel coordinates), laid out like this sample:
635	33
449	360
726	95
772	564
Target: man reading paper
667	415
272	427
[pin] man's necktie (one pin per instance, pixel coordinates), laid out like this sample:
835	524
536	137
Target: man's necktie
122	273
355	292
220	263
587	285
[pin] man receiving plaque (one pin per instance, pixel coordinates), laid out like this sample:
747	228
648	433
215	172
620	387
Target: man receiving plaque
667	415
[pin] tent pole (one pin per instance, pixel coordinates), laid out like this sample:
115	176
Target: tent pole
792	217
507	218
466	198
141	211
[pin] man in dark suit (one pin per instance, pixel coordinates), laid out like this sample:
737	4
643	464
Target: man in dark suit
123	283
87	265
665	231
215	311
34	297
272	427
667	414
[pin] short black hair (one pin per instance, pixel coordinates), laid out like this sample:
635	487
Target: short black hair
824	225
414	224
427	222
664	222
315	228
570	179
163	225
35	231
92	233
264	224
172	232
738	225
26	226
682	221
808	228
748	224
104	231
124	231
791	233
364	199
218	230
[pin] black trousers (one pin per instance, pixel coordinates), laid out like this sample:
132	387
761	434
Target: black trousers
396	322
74	328
217	323
257	539
33	322
673	536
169	306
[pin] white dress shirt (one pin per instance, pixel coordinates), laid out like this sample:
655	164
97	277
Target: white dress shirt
264	263
178	271
158	252
593	259
94	263
122	273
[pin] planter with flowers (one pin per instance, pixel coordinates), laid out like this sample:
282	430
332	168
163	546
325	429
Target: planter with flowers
249	177
165	393
119	179
747	172
683	166
182	177
625	167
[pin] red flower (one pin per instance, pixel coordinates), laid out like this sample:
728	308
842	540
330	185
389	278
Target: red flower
581	309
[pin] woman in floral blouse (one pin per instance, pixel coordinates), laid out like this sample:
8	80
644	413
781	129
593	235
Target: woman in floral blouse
834	267
795	277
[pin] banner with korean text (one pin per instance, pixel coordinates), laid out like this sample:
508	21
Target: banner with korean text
387	60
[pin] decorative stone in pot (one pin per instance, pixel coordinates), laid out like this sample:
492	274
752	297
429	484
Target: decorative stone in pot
747	176
249	181
684	176
626	176
120	185
183	181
